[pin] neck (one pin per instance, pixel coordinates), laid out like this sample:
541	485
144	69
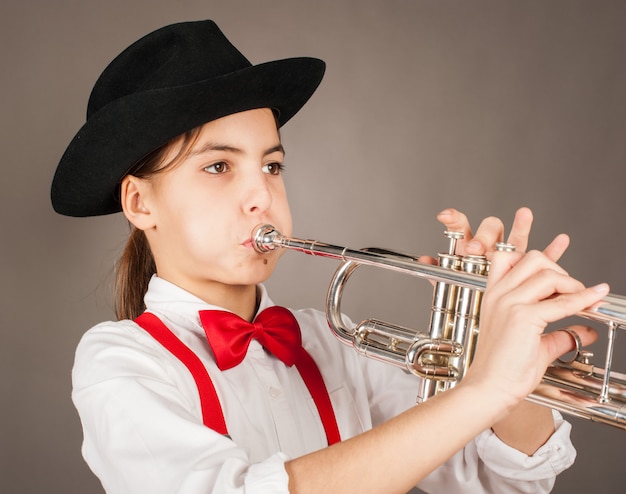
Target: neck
242	300
239	299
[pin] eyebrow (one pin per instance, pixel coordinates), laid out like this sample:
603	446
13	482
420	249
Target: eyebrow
210	146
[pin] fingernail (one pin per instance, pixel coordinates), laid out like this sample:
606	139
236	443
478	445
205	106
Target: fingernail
445	212
601	288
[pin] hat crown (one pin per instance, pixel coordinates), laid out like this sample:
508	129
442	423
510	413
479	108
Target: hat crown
168	82
175	55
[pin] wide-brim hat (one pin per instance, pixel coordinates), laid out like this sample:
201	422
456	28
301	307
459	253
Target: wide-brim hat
168	82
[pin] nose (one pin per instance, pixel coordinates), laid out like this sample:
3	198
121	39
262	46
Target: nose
257	196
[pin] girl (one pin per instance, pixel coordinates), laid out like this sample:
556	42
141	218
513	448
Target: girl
182	394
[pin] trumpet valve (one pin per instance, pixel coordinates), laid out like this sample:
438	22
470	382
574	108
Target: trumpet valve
453	236
429	358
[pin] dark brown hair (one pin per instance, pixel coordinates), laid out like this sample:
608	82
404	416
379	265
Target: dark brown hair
136	265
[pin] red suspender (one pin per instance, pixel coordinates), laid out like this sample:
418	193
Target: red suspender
212	415
312	377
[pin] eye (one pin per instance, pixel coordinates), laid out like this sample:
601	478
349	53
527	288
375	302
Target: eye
216	168
274	168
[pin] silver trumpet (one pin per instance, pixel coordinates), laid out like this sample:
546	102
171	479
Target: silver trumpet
442	355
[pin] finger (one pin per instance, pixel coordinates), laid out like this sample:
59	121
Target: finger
490	231
427	260
568	304
587	335
558	343
520	231
532	262
546	285
455	221
526	265
501	264
557	247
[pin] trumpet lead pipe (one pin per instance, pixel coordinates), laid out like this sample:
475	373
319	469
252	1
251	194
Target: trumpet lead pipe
265	238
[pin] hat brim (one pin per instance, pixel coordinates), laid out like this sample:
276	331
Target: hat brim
123	132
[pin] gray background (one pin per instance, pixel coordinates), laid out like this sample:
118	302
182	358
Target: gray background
480	105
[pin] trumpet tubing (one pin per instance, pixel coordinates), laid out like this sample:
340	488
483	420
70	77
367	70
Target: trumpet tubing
442	354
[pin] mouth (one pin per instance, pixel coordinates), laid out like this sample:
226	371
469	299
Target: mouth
249	244
251	241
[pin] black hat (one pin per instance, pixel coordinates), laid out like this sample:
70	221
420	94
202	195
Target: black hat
170	81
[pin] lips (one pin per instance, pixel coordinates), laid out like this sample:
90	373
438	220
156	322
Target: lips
249	240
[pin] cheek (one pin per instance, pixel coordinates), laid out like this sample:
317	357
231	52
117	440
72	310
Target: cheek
188	217
207	232
282	212
286	223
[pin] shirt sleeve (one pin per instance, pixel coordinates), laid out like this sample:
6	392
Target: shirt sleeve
486	464
141	434
489	465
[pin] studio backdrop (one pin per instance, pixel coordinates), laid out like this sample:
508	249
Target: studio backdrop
480	105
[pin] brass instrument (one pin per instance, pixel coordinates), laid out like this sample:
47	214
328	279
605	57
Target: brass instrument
442	355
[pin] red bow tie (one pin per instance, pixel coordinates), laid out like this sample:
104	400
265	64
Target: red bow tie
229	335
278	331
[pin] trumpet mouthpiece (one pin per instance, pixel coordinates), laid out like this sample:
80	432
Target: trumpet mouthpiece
263	238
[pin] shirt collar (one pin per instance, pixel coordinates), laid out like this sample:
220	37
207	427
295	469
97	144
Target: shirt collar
167	299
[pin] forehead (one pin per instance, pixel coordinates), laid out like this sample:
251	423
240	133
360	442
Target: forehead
249	128
251	131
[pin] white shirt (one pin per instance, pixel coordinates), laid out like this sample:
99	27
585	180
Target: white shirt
142	420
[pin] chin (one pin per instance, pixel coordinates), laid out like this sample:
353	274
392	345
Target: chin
258	274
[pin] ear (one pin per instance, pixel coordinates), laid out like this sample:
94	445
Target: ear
134	194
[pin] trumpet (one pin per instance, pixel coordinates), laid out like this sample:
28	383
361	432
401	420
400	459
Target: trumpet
442	355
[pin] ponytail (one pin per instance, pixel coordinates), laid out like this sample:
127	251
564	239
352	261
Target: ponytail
134	270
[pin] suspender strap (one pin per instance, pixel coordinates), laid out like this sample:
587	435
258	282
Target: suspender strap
312	377
212	415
